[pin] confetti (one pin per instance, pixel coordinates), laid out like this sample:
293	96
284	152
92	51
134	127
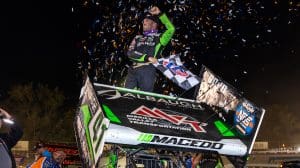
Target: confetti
202	31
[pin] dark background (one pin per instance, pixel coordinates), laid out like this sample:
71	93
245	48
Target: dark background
39	45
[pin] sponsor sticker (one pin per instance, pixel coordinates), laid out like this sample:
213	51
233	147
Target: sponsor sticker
244	118
178	141
158	118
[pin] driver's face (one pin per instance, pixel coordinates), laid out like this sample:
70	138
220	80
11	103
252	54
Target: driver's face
148	24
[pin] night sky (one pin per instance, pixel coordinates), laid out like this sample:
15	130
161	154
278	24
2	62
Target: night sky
39	44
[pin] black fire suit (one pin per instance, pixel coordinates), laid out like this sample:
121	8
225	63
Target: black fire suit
142	74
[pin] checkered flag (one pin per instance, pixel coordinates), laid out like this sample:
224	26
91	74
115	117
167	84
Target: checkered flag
174	70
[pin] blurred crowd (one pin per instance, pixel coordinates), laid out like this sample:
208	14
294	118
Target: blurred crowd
206	31
44	158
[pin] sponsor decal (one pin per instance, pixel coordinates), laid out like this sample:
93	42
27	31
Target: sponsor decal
118	134
95	127
213	80
90	126
216	92
155	115
213	91
177	141
244	118
175	69
115	94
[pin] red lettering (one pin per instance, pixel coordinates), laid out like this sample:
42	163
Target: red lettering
175	119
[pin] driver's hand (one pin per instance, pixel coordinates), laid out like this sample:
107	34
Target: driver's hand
154	10
152	60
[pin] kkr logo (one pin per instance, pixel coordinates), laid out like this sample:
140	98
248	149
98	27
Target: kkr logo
174	119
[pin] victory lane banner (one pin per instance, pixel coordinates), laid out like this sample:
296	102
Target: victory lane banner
215	92
174	70
90	127
153	120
